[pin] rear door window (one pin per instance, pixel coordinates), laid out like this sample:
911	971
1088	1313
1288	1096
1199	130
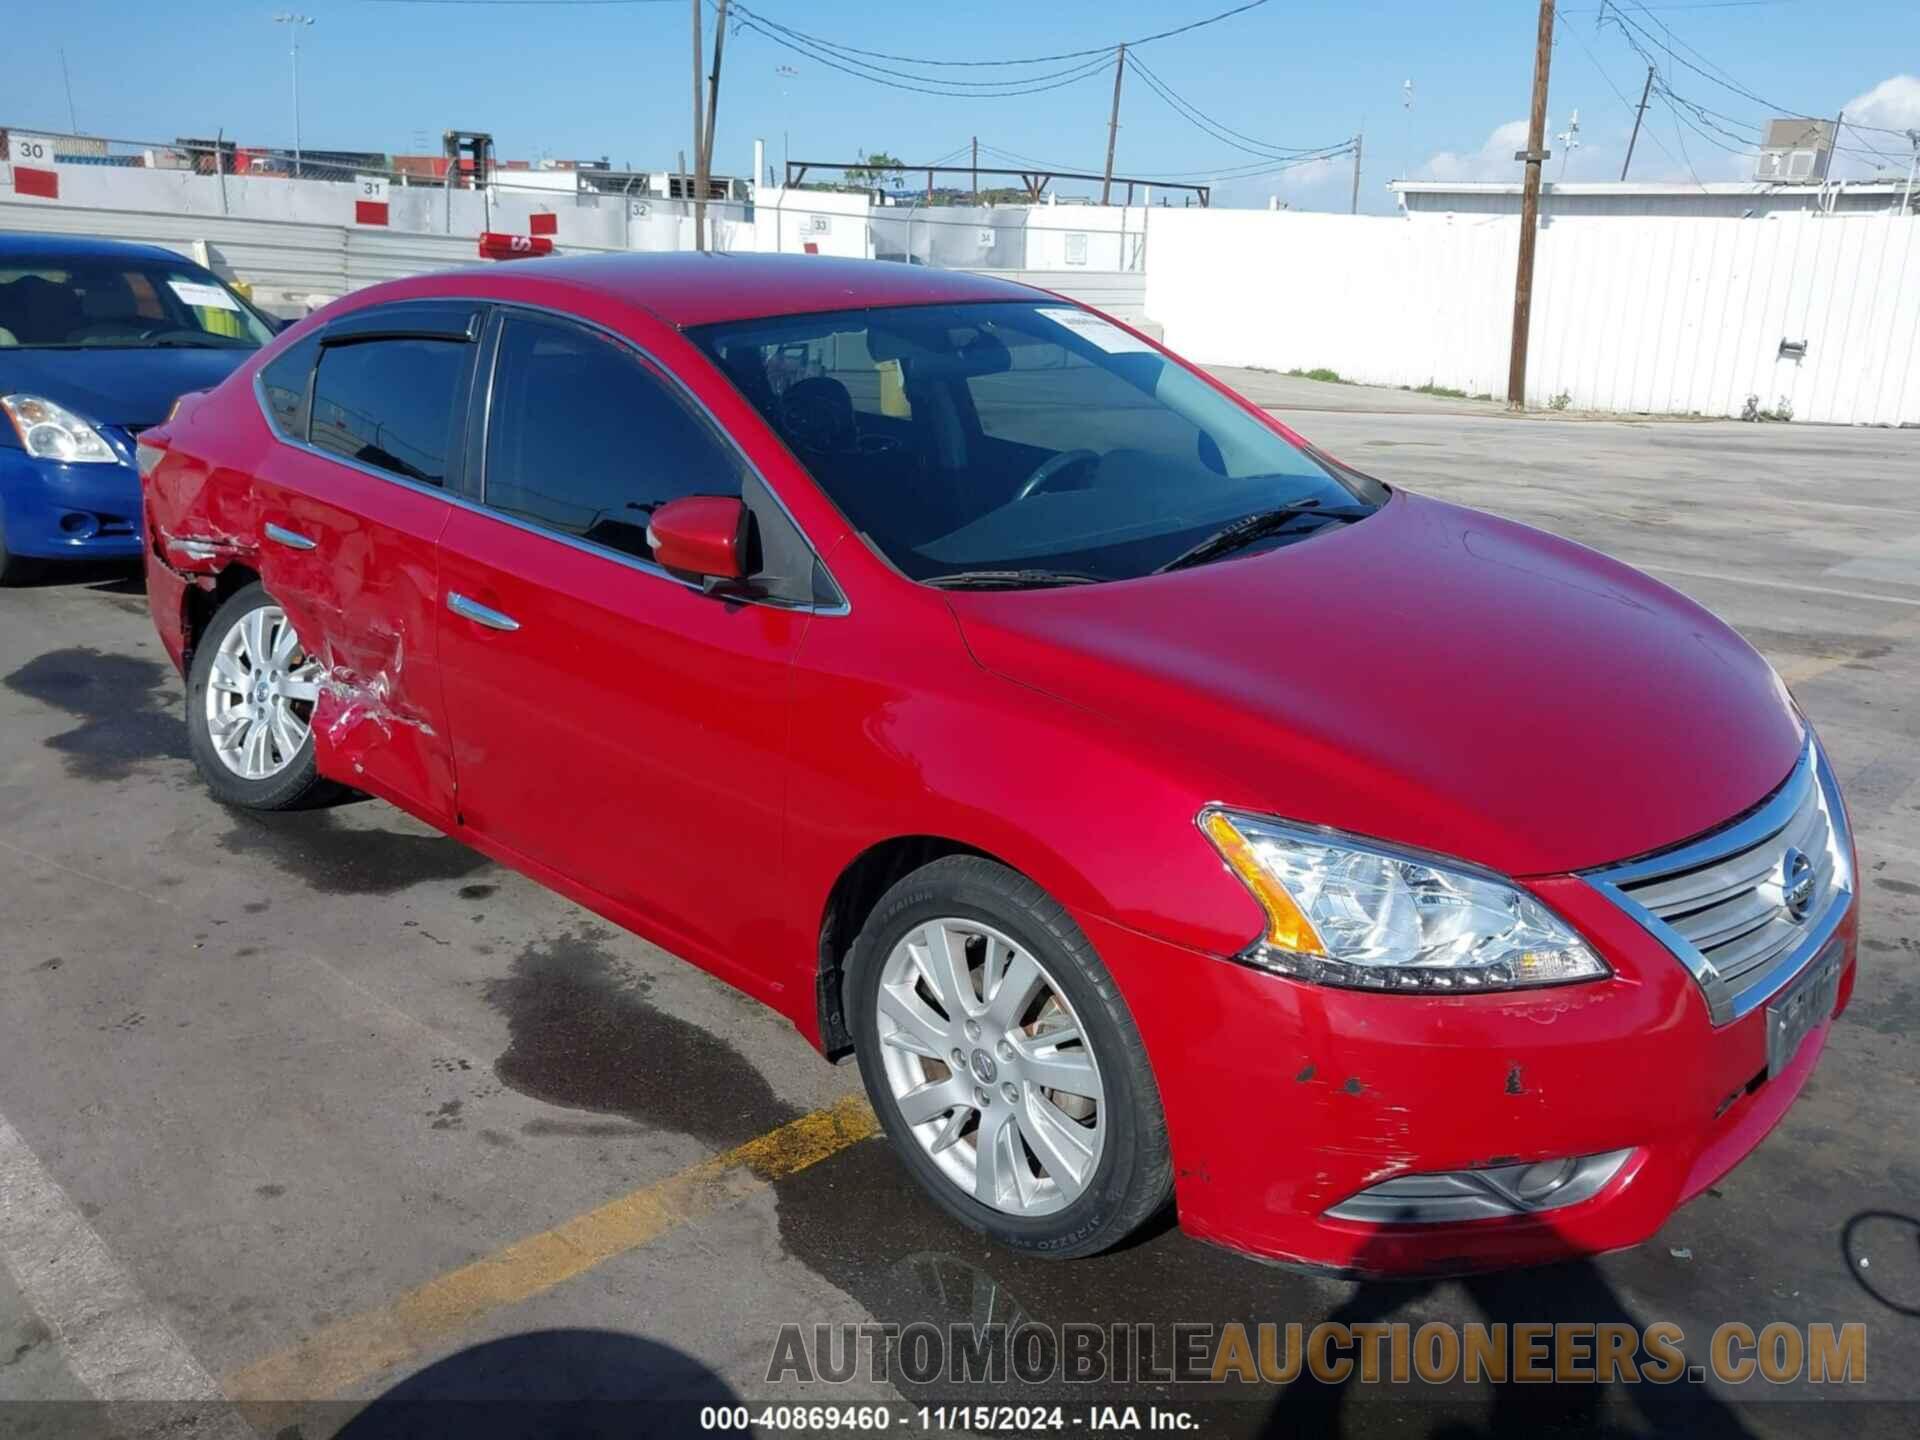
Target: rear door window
391	402
288	384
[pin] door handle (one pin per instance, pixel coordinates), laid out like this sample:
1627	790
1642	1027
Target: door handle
480	615
292	539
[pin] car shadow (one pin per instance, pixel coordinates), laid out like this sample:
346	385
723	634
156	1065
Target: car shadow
581	1384
111	577
1574	1291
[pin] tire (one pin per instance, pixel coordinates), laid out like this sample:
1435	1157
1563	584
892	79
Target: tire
292	779
1072	1176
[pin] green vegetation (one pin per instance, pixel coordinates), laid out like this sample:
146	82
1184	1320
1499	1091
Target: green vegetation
880	169
1320	372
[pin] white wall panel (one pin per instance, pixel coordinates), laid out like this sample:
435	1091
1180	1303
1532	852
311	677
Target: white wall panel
1661	315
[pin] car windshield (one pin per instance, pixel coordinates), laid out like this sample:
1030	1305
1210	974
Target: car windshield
92	304
1025	444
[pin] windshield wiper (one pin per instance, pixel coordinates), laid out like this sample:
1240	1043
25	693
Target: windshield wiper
1010	579
1258	526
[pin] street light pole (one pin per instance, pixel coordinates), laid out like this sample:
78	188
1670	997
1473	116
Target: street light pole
297	22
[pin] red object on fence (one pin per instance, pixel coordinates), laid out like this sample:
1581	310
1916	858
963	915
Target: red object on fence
544	223
44	183
369	212
496	246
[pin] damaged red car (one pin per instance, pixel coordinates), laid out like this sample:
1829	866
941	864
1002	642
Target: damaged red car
1158	808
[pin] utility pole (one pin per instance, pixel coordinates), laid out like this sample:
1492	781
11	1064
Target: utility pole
1638	116
295	22
699	135
976	170
1359	142
1534	155
1113	125
713	91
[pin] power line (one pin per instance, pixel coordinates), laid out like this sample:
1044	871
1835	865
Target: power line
1230	172
1594	60
1631	28
1102	50
862	70
1225	134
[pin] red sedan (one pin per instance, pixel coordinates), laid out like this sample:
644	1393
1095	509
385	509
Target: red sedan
1156	806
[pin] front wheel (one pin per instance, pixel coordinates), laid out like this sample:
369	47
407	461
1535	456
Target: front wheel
250	698
1003	1062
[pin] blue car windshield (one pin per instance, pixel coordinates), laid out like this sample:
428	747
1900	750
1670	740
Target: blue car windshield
87	303
1021	444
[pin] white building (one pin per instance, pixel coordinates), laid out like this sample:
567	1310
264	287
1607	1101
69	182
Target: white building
1443	199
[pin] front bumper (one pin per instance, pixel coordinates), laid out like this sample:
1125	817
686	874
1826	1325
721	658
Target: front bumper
53	511
1284	1099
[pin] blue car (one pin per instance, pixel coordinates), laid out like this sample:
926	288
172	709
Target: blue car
97	340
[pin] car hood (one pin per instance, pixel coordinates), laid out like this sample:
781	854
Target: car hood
1432	676
116	387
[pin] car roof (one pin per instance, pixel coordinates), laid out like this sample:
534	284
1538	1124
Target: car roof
686	288
83	247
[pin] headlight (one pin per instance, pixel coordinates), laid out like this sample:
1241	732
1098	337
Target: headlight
1344	912
51	432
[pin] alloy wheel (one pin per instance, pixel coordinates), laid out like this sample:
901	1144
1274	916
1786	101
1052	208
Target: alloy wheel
990	1067
260	695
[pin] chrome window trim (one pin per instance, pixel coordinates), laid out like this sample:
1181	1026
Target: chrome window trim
1768	820
574	542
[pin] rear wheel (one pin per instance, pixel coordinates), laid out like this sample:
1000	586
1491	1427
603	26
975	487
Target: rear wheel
250	699
1003	1063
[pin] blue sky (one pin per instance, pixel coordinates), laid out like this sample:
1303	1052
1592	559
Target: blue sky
614	79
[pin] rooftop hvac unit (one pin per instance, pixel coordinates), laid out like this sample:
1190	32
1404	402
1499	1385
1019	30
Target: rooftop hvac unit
1796	152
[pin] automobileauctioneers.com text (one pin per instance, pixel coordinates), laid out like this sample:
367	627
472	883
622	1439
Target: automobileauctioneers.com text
1436	1353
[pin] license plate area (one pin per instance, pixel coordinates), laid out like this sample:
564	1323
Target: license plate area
1802	1008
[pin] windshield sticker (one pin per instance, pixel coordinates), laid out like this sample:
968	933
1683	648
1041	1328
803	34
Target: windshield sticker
1104	333
203	297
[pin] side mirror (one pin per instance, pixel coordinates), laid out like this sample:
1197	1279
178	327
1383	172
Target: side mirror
703	535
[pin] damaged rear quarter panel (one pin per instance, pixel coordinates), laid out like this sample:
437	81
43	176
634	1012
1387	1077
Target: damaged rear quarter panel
364	600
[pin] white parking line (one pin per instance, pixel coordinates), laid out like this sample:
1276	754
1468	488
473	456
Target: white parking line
1775	584
114	1342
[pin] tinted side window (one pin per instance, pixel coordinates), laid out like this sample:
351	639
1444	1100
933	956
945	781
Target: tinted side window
391	404
584	439
287	383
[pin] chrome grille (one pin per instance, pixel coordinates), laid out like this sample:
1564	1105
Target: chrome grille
1737	907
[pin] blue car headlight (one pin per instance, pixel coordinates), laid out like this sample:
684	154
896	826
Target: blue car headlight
52	432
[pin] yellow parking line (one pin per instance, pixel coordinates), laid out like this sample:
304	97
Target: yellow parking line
332	1359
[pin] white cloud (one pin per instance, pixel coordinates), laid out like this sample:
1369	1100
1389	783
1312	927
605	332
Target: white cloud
1894	103
1492	161
1313	173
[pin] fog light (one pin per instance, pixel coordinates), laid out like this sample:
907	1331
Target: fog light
78	525
1537	1182
1498	1190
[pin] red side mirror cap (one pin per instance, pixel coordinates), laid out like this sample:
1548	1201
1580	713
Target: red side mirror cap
703	535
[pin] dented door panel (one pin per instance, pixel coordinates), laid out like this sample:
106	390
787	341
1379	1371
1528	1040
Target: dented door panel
353	559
